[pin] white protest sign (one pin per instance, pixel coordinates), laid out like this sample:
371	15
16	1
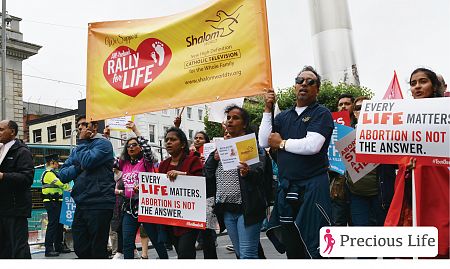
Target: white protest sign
346	147
239	149
119	124
208	148
217	109
392	131
178	203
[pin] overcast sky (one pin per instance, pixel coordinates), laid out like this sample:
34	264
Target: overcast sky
388	35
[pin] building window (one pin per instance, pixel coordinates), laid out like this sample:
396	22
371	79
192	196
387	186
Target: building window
165	129
37	138
191	134
177	112
51	133
67	129
165	112
189	112
200	114
151	133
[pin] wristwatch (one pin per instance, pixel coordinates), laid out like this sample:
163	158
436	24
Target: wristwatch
282	144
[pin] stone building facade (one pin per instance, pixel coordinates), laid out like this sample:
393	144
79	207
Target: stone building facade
17	51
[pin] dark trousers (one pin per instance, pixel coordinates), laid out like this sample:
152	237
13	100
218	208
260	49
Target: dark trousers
295	249
340	209
14	238
130	226
90	230
366	210
207	238
54	233
185	244
120	240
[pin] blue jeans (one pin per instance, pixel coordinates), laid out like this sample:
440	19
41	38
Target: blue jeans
130	226
366	210
245	239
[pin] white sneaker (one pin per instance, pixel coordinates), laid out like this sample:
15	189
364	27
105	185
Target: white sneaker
136	254
118	255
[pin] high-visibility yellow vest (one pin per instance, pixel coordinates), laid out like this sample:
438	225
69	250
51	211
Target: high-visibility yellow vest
52	187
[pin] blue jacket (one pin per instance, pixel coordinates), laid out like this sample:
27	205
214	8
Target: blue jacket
90	167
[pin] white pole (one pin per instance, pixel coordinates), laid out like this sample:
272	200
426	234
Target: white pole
414	207
331	31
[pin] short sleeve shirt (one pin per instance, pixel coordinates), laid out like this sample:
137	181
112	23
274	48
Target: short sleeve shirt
315	118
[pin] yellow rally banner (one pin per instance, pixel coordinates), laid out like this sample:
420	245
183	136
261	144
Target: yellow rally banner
215	52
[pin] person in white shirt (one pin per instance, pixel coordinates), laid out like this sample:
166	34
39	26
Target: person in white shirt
301	136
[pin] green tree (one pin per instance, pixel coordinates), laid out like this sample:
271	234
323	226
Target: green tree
255	108
328	94
253	105
212	129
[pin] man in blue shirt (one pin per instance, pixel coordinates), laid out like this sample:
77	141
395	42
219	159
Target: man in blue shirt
301	136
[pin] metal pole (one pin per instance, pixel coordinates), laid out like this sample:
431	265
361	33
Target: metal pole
71	139
160	149
3	115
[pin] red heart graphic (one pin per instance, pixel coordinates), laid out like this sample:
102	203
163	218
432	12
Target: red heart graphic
130	71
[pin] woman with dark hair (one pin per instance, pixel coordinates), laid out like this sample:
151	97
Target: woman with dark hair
240	202
180	163
424	84
136	157
200	138
431	182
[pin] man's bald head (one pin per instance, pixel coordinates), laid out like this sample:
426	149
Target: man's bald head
8	131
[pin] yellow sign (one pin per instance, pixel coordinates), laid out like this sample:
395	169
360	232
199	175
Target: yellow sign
215	52
247	149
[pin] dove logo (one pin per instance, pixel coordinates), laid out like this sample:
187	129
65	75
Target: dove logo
223	24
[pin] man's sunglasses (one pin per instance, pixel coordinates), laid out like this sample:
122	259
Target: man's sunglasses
85	124
357	108
309	81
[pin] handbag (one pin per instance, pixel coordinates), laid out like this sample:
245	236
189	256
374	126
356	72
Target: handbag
337	191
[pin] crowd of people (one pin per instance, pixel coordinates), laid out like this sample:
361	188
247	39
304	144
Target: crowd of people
308	195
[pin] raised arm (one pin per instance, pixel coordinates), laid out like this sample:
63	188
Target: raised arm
266	123
91	157
69	170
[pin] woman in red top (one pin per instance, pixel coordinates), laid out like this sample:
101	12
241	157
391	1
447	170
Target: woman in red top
180	163
431	182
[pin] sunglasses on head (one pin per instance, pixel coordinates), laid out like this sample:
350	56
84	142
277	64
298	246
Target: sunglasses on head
309	81
132	145
357	108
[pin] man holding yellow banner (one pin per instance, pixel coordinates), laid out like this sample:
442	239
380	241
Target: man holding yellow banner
190	58
301	135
